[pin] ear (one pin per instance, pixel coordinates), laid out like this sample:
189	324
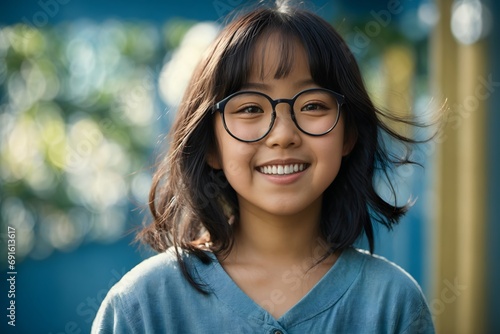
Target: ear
212	159
350	139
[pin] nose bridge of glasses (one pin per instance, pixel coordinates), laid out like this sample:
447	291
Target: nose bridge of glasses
288	106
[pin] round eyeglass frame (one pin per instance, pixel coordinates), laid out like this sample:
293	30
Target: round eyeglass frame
220	106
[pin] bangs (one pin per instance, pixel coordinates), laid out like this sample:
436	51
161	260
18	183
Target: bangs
252	55
246	47
278	42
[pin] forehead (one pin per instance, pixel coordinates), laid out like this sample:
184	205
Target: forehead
275	55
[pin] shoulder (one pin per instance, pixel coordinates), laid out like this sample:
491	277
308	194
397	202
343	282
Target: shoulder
144	295
385	285
156	268
382	271
160	273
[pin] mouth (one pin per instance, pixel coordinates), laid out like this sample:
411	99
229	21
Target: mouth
286	169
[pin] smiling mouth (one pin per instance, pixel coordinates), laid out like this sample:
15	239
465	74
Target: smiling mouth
282	169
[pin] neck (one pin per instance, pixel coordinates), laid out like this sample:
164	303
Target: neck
269	238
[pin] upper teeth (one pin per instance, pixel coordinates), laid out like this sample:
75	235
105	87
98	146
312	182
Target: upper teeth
282	169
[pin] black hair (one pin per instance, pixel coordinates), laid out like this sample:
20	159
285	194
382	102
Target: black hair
191	203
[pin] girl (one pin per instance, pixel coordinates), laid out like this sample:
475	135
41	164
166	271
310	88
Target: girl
267	184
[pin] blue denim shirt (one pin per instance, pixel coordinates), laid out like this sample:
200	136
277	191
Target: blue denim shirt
359	294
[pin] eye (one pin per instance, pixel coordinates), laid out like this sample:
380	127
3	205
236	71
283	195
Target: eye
250	110
312	106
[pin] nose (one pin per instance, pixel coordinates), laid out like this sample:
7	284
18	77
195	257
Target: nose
284	132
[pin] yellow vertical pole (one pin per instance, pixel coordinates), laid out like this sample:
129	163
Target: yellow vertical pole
471	207
443	73
458	303
399	70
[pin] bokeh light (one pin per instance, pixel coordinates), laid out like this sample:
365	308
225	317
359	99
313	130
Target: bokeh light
78	119
470	21
177	72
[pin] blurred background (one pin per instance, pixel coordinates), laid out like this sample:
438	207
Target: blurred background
88	90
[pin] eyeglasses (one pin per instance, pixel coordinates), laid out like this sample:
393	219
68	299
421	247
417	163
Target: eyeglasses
249	116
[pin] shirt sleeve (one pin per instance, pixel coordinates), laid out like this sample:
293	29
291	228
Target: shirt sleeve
422	324
116	316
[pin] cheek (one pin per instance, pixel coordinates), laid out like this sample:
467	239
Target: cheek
329	155
234	169
234	156
331	159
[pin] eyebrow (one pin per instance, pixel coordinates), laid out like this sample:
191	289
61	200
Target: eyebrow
263	86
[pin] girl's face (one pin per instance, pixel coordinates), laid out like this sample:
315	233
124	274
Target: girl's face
247	166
